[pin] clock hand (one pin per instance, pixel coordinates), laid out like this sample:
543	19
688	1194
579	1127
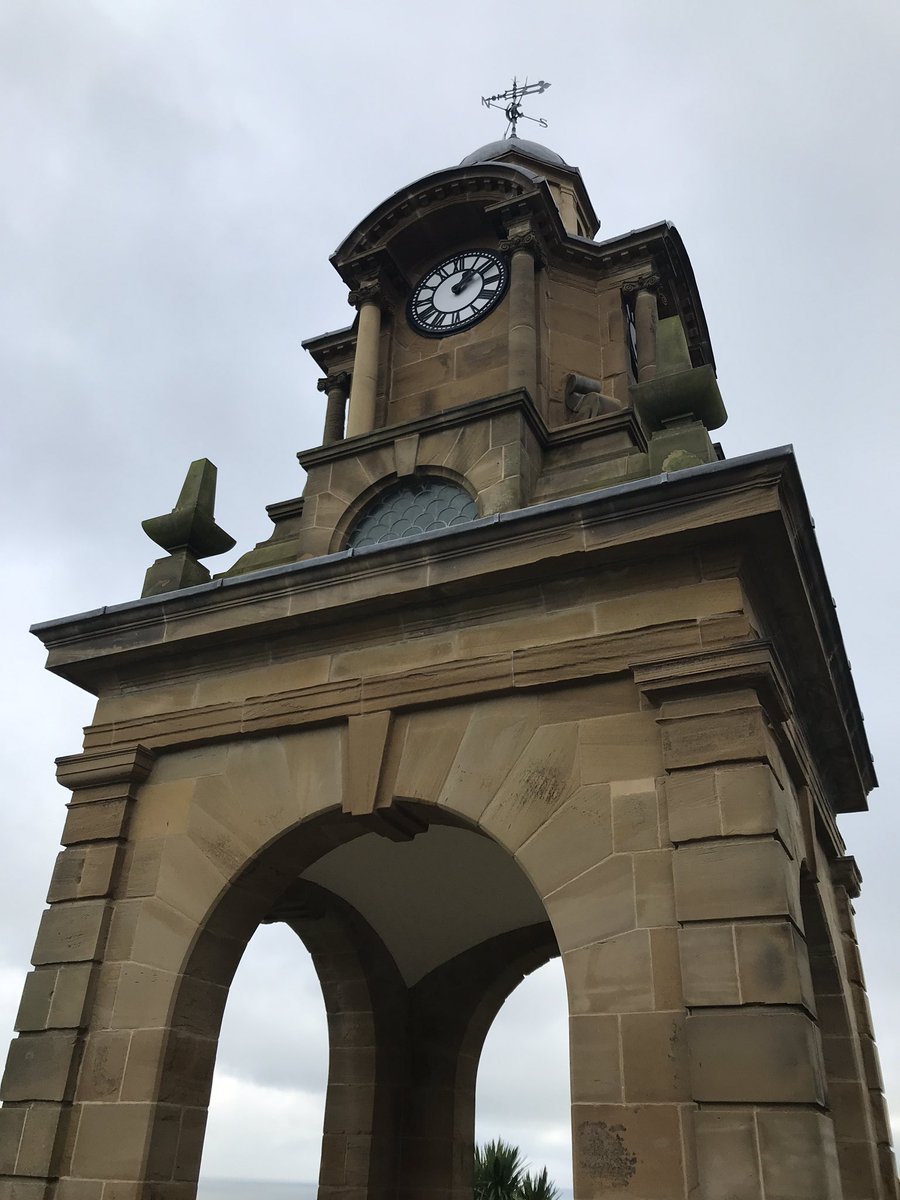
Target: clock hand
463	282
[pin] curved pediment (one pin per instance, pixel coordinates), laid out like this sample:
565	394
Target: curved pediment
457	188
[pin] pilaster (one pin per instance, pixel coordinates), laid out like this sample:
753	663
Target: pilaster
756	1067
44	1060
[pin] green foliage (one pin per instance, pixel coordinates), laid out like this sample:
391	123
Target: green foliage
500	1175
538	1187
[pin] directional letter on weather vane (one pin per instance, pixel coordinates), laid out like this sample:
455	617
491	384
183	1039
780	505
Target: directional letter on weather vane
513	108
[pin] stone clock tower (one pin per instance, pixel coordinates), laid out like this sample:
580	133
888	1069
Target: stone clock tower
530	669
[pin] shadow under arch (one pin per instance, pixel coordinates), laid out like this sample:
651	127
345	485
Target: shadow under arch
410	989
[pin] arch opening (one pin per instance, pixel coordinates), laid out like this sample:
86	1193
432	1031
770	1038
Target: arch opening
523	1090
416	945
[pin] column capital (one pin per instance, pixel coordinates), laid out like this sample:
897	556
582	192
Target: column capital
335	381
523	239
649	282
368	291
641	283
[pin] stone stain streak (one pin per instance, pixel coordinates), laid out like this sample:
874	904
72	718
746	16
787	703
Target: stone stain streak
542	785
604	1154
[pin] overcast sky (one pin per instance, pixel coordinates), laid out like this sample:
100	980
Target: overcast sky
174	176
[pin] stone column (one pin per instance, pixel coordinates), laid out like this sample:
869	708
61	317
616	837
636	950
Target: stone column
336	387
364	385
522	373
642	295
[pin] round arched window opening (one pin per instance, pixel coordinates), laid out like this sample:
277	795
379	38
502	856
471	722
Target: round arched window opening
421	505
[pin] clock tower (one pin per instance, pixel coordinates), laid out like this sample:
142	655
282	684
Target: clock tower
530	669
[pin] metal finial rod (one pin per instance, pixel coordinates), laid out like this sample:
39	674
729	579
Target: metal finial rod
513	107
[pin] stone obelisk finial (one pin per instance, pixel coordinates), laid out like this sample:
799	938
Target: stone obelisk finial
189	532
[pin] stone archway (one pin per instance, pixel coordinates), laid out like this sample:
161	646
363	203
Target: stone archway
417	943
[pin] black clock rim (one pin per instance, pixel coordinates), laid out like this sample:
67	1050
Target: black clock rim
421	331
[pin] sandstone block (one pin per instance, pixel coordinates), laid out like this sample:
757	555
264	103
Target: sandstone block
727	1154
693	805
654	888
425	745
37	996
620	747
726	879
23	1189
39	1067
110	1140
12	1122
190	1144
668	992
614	976
496	735
654	1057
83	871
709	965
595	905
36	1149
621	1150
103	1065
773	965
143	998
71	932
96	821
635	815
769	1056
536	786
576	837
712	738
364	754
595	1058
798	1156
70	996
849	1104
663	606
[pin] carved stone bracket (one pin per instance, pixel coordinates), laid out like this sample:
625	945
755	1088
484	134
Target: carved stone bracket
846	874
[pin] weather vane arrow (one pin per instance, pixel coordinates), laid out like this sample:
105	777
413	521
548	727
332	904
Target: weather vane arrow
513	107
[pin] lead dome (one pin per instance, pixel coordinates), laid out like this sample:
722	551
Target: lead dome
504	147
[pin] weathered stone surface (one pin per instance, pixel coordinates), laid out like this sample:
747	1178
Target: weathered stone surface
611	977
39	1067
766	1055
628	1151
741	878
728	1154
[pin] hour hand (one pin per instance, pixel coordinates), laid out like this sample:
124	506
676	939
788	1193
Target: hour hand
467	274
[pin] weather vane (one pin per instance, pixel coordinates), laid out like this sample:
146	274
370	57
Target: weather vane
513	107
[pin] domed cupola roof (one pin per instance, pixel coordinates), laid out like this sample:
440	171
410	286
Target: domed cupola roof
520	147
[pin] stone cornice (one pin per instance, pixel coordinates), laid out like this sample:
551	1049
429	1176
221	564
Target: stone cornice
463	414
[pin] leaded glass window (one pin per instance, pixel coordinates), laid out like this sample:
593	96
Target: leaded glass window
411	507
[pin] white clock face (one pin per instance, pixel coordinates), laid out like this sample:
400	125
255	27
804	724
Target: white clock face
458	292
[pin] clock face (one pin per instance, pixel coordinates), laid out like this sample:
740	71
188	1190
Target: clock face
458	292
